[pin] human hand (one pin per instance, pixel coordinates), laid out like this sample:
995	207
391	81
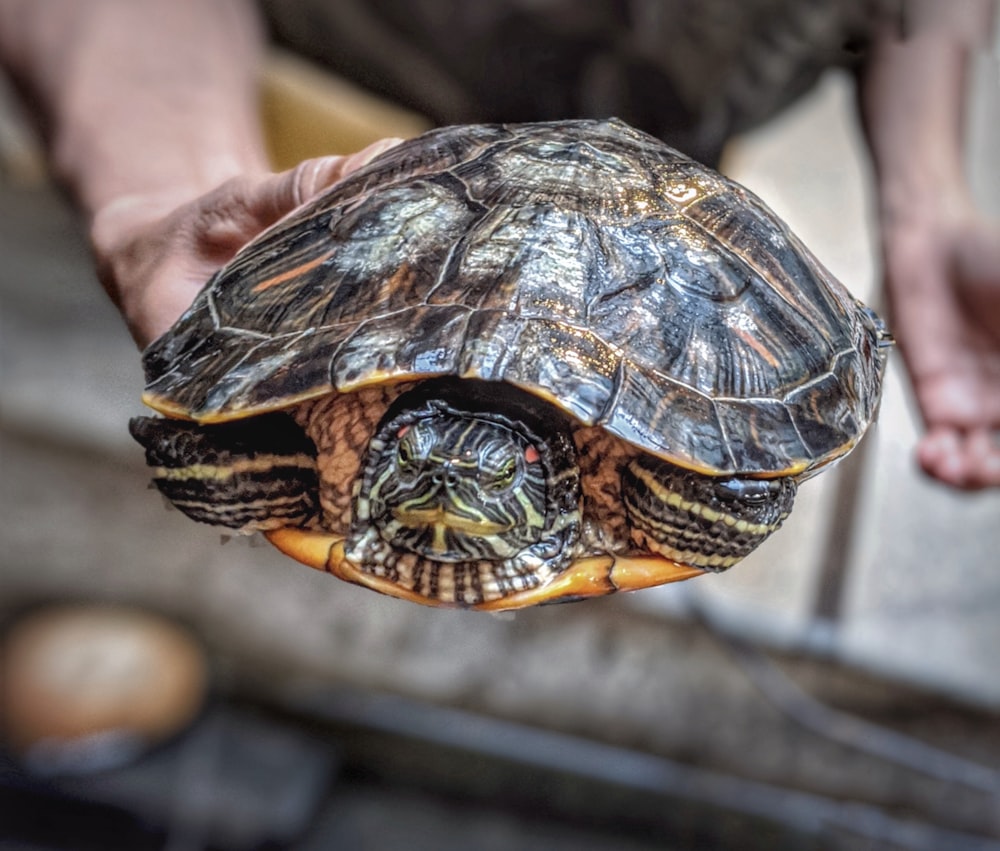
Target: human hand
155	251
942	267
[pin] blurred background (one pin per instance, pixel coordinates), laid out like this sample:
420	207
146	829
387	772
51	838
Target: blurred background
163	689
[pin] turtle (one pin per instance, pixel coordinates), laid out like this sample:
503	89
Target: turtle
512	364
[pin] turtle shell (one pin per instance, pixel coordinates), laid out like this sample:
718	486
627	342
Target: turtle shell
584	261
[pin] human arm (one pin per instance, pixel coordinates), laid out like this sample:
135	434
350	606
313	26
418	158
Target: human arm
149	108
941	255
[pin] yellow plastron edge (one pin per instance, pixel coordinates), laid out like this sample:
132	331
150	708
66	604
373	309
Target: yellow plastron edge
592	576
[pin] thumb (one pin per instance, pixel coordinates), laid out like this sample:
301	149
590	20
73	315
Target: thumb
311	177
283	192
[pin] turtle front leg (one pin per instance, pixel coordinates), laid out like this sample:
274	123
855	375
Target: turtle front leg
251	475
705	521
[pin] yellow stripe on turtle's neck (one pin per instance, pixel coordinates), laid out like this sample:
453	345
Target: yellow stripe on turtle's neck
258	464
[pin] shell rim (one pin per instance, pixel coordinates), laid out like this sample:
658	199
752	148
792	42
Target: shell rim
169	409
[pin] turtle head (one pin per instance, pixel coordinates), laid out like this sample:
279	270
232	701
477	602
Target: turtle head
468	491
454	486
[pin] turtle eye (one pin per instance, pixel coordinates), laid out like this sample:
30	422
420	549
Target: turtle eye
404	455
750	491
504	477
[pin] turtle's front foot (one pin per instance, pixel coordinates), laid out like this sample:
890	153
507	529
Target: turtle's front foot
709	522
250	475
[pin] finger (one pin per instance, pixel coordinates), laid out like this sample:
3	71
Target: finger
311	177
968	460
241	208
980	452
290	189
939	455
948	356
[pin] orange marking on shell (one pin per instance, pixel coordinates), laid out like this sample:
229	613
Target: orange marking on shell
301	269
756	345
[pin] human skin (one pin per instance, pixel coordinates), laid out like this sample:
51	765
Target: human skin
940	255
149	108
151	118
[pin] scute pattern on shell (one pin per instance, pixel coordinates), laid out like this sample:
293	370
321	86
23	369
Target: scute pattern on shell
584	261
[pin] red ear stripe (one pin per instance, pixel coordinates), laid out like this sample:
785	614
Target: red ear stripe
402	431
531	455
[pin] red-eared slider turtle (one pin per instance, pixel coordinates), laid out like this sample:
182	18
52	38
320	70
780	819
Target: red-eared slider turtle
505	365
